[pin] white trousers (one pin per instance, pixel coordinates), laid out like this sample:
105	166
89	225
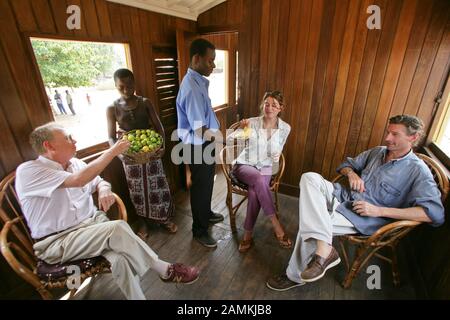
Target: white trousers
318	220
129	256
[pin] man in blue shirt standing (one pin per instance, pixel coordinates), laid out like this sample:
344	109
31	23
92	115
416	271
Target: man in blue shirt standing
386	183
197	124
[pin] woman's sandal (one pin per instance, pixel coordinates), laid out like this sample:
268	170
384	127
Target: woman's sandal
245	245
284	241
170	227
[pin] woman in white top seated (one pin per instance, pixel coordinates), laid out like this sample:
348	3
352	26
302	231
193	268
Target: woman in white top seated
258	162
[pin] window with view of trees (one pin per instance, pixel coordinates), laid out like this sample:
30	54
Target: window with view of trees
78	79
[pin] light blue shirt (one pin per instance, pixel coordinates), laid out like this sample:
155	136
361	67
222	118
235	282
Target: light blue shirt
400	183
194	108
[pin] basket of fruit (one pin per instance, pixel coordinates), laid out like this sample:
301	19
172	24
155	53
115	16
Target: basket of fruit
144	144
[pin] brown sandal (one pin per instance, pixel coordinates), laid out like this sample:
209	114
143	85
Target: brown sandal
245	245
284	241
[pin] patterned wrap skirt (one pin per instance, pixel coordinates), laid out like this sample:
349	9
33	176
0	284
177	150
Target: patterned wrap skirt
149	190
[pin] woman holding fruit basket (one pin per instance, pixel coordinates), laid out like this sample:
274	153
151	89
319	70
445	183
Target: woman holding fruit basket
256	164
147	183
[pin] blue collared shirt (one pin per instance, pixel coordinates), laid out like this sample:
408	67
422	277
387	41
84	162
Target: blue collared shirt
194	108
400	183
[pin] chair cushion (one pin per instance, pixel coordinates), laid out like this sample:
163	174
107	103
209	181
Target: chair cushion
51	272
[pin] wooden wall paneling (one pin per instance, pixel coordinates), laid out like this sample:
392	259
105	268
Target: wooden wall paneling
20	61
338	31
289	71
427	56
104	21
322	67
83	31
145	26
255	59
436	83
10	155
416	41
364	82
115	19
155	27
60	16
125	18
244	58
341	86
133	32
378	73
90	18
44	17
358	50
24	15
298	83
302	126
263	53
281	46
396	59
15	123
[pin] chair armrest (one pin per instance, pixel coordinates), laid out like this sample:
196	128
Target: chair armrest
22	270
121	207
394	230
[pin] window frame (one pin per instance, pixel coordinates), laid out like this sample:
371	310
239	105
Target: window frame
101	146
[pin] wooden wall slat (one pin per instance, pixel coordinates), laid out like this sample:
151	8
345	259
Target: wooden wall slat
365	77
309	78
15	125
24	15
90	18
396	58
60	16
427	56
319	84
351	92
299	67
44	16
416	41
437	78
338	31
379	72
83	31
103	18
115	20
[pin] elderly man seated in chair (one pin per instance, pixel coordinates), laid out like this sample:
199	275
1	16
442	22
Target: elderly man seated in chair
387	182
55	194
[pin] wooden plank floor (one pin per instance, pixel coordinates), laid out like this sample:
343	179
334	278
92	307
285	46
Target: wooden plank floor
227	274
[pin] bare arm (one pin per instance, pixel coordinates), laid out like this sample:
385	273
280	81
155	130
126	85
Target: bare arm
356	183
105	196
93	169
111	122
364	208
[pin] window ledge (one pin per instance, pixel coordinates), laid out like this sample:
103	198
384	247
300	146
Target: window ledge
434	152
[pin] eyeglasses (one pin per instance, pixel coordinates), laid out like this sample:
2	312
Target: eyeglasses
70	138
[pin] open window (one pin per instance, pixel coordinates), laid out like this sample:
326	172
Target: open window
78	80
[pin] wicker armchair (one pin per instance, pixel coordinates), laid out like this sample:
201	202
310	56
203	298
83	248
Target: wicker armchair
17	247
387	236
234	186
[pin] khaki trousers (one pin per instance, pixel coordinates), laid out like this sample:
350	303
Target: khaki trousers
129	256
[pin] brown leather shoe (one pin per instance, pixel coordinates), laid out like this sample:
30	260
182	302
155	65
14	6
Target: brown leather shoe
318	266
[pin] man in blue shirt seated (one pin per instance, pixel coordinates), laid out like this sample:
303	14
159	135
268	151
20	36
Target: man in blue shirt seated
197	127
386	183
